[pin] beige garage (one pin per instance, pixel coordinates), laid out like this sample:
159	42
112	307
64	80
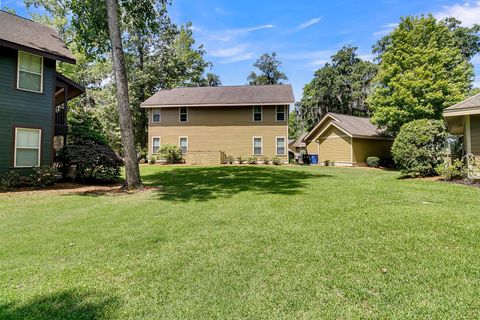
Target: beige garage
347	140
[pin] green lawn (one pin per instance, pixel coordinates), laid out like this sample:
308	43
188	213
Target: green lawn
245	242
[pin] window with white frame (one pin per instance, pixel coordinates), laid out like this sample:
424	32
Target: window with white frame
30	72
280	113
280	143
257	113
155	144
27	147
156	117
257	146
183	144
183	114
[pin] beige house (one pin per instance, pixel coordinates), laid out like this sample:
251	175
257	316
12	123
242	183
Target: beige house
211	123
347	140
463	119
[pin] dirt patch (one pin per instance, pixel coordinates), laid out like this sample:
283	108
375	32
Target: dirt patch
80	189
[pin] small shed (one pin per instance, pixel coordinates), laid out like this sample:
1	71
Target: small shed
347	140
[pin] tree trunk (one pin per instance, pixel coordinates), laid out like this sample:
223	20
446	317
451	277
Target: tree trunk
141	97
132	171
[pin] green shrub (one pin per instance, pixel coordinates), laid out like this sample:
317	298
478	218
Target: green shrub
387	163
265	160
39	178
373	162
240	160
9	180
230	159
170	153
252	160
419	147
456	171
152	160
43	176
277	161
329	163
89	161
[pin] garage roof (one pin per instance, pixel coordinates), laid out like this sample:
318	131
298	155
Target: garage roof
357	127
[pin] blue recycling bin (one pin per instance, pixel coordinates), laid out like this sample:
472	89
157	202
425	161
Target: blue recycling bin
314	159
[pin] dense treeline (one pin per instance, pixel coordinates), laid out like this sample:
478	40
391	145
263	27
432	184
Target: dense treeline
422	66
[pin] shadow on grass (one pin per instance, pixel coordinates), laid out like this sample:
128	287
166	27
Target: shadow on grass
205	183
62	305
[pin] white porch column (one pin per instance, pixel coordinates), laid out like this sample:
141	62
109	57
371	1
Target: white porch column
467	135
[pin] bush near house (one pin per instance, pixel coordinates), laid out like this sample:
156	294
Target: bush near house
277	161
252	160
373	162
230	160
89	161
455	171
39	178
419	147
170	153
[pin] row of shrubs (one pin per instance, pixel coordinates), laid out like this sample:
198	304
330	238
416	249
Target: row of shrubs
39	178
85	161
253	160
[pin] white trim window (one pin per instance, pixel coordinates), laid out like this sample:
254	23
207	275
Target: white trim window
27	147
257	113
156	142
156	116
280	114
280	143
183	144
29	72
183	114
257	146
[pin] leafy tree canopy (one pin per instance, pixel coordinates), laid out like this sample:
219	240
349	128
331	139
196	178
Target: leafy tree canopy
269	66
158	54
341	86
424	67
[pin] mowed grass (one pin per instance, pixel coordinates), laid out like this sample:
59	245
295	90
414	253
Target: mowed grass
245	242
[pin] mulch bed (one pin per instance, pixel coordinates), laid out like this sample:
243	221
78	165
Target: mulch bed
81	189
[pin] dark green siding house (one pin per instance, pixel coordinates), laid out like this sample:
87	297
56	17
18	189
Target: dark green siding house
33	95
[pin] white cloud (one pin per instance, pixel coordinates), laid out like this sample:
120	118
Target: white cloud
222	11
468	13
228	35
233	54
308	23
385	30
229	45
319	62
367	57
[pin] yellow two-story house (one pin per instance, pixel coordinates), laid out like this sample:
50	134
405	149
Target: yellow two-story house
212	123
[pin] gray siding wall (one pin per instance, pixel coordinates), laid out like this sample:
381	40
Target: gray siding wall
24	109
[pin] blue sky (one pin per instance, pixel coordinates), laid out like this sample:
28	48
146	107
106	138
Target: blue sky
303	33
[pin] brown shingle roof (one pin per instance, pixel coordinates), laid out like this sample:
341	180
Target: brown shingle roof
298	143
358	127
466	105
222	96
20	33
